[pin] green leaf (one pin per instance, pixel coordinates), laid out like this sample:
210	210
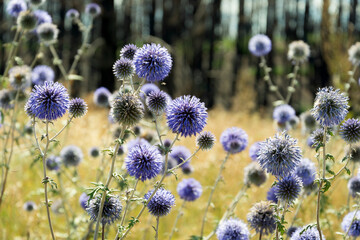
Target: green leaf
329	156
75	77
347	171
326	186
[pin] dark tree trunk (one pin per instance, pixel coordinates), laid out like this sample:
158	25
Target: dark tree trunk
352	17
306	20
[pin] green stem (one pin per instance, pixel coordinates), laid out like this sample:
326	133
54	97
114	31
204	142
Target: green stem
177	219
291	88
128	200
63	201
58	62
267	79
157	228
14	45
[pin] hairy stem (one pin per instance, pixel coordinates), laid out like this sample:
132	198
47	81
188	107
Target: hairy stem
267	78
291	88
157	228
177	219
128	200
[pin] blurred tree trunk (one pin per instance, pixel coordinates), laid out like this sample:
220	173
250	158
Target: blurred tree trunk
352	17
340	12
152	17
307	20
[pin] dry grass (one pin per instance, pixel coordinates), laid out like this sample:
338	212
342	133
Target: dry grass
93	130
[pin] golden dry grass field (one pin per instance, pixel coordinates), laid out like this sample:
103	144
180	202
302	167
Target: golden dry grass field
93	130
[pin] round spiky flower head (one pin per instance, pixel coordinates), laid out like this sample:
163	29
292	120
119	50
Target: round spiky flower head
83	200
288	188
77	108
260	45
160	204
42	17
308	122
291	231
254	174
48	102
271	196
123	68
94	152
71	155
47	33
29	206
93	9
42	73
128	51
350	130
148	88
205	140
232	229
354	226
101	97
330	107
189	189
127	109
254	150
5	99
111	211
180	154
53	163
36	3
186	115
306	171
354	186
279	155
143	162
152	62
299	51
14	7
157	102
283	113
354	153
20	77
354	54
261	218
234	140
72	14
306	233
317	137
27	20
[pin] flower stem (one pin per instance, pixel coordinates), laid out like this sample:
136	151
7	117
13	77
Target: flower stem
267	78
177	219
57	61
13	48
157	228
212	193
128	200
291	88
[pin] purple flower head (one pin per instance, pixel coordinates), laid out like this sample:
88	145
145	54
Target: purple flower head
42	17
254	174
306	171
180	154
72	14
354	186
93	9
306	233
279	155
291	231
330	107
123	69
71	155
148	88
143	162
6	97
29	206
283	113
288	188
189	189
350	130
260	45
157	101
137	141
234	140
94	152
101	97
354	226
41	74
161	203
205	140
253	151
232	229
152	62
83	200
186	115
128	51
53	163
14	7
111	211
49	101
262	218
310	142
77	107
271	196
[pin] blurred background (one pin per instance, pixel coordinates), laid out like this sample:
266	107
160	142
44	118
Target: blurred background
208	40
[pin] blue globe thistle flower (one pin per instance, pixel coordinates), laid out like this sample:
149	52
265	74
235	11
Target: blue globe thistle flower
354	186
72	14
232	229
127	109
77	108
279	155
29	206
71	155
354	154
298	52
354	226
94	152
291	231
123	68
42	17
350	130
180	154
41	74
254	150
354	54
48	102
157	101
47	33
111	211
53	163
152	62
187	168
83	200
254	174
306	171
262	218
161	203
128	51
294	122
283	113
308	122
205	140
101	97
26	20
288	188
259	45
14	7
137	141
5	99
20	77
317	137
143	162
306	233
234	140
147	89
186	115
189	189
271	196
330	107
93	9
